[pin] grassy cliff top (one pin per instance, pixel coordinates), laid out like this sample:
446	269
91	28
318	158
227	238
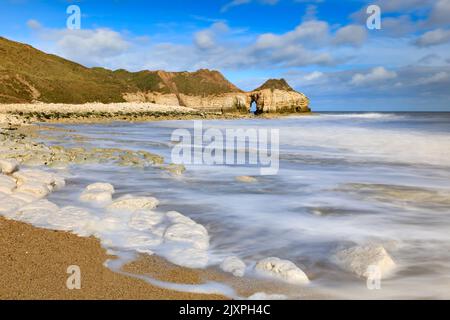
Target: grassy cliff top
27	74
273	84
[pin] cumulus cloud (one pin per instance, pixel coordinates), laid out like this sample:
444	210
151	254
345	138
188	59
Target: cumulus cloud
432	38
206	39
353	35
376	75
86	46
309	33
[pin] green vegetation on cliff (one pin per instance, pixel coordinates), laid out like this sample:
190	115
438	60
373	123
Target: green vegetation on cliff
27	74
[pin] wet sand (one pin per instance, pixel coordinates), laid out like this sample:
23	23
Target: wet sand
34	264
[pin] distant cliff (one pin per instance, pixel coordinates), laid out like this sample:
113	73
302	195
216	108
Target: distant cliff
27	75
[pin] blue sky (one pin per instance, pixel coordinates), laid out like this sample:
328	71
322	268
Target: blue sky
322	47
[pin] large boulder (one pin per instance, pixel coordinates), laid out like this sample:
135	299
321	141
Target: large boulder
284	270
361	260
233	265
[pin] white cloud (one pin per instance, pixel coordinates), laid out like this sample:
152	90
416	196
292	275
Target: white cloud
313	76
34	24
376	75
353	35
206	39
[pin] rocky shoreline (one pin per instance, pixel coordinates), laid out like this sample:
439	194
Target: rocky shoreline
31	171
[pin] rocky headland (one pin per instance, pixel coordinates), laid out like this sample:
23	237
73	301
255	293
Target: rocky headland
28	75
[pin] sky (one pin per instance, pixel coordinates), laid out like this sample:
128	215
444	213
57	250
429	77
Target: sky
323	48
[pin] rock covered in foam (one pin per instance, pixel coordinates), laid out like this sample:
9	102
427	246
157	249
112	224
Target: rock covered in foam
360	259
284	270
97	197
8	166
193	234
143	220
187	257
7	184
130	203
53	181
188	241
101	187
75	219
143	243
233	265
98	193
34	189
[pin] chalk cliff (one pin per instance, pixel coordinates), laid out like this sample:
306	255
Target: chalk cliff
29	75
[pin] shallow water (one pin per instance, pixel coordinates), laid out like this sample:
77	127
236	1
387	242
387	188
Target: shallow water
344	179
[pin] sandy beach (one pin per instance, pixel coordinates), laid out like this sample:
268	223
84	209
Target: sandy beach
35	260
34	264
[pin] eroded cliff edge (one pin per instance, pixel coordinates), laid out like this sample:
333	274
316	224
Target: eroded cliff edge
29	75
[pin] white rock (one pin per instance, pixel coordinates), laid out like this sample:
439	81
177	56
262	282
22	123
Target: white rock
362	259
194	234
52	181
145	220
284	270
8	166
36	189
129	203
98	197
233	265
187	257
101	187
143	243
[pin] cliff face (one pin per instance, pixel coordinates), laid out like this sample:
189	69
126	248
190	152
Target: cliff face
27	75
